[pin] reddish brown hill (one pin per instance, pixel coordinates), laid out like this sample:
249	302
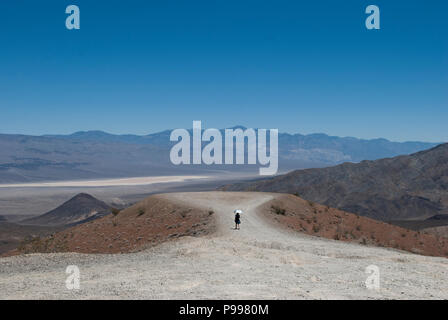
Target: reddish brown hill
147	223
438	231
318	220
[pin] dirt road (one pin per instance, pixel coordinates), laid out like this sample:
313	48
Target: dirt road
259	261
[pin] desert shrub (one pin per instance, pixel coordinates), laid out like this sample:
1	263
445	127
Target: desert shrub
278	210
115	211
185	212
35	244
140	212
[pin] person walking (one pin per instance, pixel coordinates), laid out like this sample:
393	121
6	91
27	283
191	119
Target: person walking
237	219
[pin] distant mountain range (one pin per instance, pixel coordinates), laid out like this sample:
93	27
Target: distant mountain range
97	154
401	188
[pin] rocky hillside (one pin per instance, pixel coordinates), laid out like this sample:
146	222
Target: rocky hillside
164	217
147	223
311	218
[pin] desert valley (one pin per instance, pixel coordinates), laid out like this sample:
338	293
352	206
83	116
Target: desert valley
215	158
307	234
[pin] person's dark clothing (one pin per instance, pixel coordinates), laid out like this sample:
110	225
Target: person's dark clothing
237	218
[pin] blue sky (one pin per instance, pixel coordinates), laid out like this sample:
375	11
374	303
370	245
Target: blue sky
299	66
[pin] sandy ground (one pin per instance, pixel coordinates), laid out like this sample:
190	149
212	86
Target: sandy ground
138	181
259	261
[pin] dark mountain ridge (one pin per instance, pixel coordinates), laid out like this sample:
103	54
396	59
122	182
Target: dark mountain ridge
405	187
81	208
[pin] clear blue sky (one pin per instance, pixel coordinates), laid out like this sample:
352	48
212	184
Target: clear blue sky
300	66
